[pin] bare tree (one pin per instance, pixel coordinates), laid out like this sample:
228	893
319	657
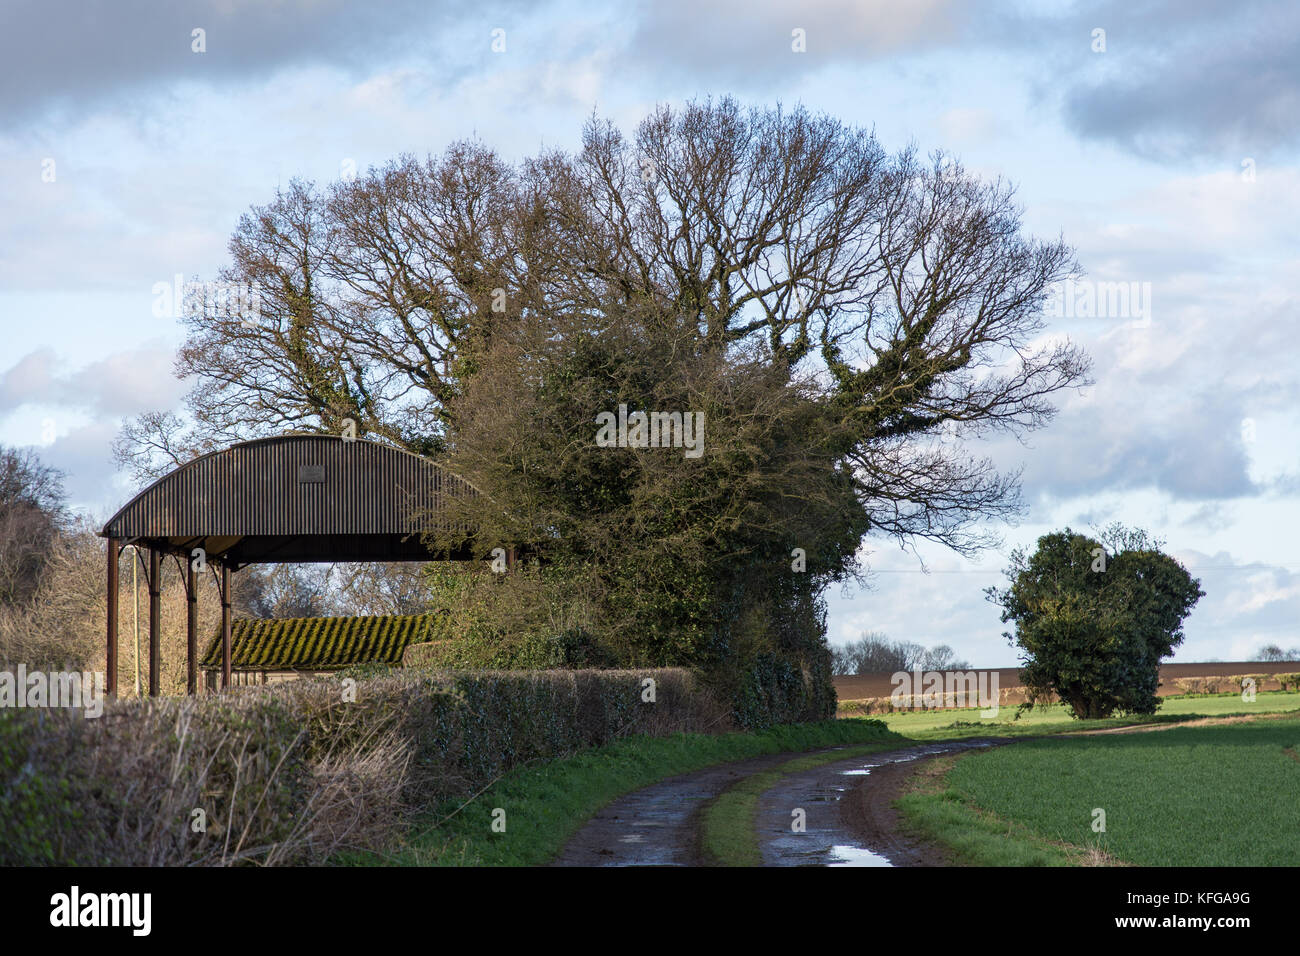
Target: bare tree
401	588
32	515
875	653
905	286
316	590
285	590
1273	653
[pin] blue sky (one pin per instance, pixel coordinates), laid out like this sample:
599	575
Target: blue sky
1169	158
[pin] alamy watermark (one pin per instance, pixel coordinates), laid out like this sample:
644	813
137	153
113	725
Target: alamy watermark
934	689
652	430
1072	299
235	301
83	689
128	910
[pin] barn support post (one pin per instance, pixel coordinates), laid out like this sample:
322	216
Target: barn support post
225	626
191	630
110	656
155	625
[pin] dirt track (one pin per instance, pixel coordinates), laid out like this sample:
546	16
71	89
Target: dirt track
849	817
655	826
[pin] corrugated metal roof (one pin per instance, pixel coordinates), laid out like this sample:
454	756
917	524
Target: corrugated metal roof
293	498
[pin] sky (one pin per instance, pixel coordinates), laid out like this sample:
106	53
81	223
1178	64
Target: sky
1159	139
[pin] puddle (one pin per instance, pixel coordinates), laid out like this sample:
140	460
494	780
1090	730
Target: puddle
907	758
855	856
825	842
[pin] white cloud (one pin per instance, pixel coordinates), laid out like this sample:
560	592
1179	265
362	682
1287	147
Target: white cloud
124	383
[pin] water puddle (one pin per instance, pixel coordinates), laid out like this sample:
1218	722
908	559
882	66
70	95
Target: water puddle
855	856
907	758
819	845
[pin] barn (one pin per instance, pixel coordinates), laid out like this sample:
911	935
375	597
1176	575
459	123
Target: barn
284	499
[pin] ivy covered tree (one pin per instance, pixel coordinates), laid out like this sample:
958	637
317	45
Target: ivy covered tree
1094	617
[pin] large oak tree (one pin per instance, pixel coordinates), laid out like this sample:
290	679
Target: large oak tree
907	283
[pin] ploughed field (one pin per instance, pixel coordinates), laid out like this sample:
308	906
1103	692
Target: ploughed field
941	724
881	684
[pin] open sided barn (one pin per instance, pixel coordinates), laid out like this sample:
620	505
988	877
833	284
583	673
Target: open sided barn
288	499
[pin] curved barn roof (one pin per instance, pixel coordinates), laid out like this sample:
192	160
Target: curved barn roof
292	498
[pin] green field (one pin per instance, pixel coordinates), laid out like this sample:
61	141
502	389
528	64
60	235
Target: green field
1221	795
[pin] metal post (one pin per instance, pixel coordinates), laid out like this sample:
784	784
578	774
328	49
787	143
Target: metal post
135	612
225	626
110	657
155	628
191	631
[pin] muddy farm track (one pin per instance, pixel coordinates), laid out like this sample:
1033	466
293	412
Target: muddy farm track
847	807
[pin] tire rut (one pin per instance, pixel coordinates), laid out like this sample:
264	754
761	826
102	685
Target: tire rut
656	825
847	815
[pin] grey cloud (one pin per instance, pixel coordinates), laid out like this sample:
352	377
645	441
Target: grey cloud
1286	485
1246	605
1191	449
1095	517
29	379
81	455
66	56
125	227
1211	517
1177	79
124	383
750	41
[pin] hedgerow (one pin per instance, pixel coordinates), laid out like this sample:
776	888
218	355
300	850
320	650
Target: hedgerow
298	771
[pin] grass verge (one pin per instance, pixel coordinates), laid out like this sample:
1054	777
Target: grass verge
544	805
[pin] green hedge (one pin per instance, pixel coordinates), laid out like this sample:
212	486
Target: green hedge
774	690
293	773
571	648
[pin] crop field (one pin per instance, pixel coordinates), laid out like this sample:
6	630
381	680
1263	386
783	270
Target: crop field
1216	795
